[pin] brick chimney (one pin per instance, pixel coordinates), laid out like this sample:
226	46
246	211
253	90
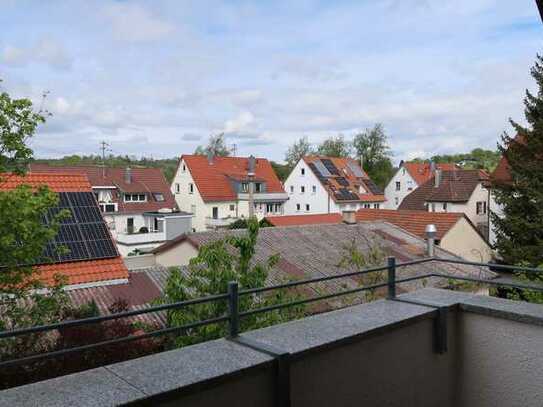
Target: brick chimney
349	217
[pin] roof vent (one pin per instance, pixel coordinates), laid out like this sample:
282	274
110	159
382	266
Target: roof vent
349	217
437	178
431	233
128	175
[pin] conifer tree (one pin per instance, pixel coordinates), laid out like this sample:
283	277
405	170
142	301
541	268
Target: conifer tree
519	231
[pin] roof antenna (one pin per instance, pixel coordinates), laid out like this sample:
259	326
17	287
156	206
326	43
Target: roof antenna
104	146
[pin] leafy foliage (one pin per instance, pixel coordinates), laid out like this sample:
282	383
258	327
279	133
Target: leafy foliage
281	170
243	224
478	158
519	232
371	147
335	147
216	146
296	151
218	263
534	296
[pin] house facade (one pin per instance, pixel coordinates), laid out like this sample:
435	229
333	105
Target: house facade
319	184
409	177
463	191
216	190
136	204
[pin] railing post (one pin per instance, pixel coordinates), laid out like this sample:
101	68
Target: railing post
391	262
233	309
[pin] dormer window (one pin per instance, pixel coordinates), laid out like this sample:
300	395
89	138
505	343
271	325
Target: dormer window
258	187
244	187
135	197
159	197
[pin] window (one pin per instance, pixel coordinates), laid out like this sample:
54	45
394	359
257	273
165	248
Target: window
108	207
258	187
375	206
232	208
269	208
396	201
215	212
403	171
303	171
409	185
307	207
445	206
398	185
135	197
244	187
191	188
184	168
278	208
314	189
432	207
481	208
158	196
292	189
177	188
367	206
302	189
297	207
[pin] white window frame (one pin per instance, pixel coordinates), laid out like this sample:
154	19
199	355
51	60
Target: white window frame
191	188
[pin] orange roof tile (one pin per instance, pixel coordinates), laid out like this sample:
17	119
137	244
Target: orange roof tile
213	179
412	221
82	272
421	173
59	182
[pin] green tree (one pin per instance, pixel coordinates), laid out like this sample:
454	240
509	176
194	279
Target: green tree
218	263
520	231
371	147
335	147
281	170
216	146
296	151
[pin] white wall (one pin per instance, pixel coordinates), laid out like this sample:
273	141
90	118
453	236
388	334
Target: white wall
464	241
406	182
319	202
498	210
179	255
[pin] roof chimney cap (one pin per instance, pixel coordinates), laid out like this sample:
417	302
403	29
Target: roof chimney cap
349	217
128	175
252	165
431	231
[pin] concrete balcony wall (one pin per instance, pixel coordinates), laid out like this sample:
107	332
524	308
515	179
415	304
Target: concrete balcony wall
139	238
374	354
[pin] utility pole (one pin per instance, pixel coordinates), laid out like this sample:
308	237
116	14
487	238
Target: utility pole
251	174
234	149
104	146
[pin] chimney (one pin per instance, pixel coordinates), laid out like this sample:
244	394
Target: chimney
128	175
437	178
349	217
210	157
432	167
431	233
252	166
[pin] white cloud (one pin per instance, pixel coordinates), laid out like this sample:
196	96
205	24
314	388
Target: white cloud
239	123
45	51
133	23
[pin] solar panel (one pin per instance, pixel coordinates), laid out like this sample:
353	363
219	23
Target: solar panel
373	187
321	168
342	181
344	194
330	166
316	172
357	171
81	236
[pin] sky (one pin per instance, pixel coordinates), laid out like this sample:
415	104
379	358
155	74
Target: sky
156	78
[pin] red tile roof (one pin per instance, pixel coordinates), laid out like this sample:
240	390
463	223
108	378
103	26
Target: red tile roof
421	173
144	180
502	172
61	182
455	186
412	221
76	272
373	192
213	181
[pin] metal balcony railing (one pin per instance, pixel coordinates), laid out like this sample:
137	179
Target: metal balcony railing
234	315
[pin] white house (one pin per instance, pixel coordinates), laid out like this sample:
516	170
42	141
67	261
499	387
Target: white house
465	191
409	177
136	203
319	184
216	189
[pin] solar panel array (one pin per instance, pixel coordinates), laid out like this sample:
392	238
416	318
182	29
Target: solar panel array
344	194
332	169
373	187
355	169
342	181
321	168
83	235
